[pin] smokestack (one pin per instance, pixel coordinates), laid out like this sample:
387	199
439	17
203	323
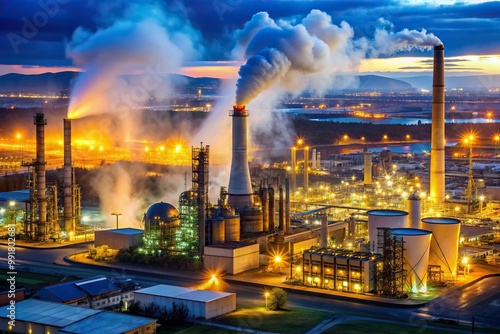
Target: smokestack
286	225
414	211
69	221
324	231
437	182
306	170
293	156
40	122
281	220
271	208
313	159
367	169
265	209
240	185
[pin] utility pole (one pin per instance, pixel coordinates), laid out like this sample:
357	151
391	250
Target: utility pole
116	214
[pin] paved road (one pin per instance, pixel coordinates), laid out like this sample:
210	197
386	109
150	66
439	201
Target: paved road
481	299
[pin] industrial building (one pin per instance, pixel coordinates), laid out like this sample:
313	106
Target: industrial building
97	293
41	317
201	303
121	238
340	269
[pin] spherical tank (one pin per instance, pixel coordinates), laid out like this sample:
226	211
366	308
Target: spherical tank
251	220
218	230
161	223
444	244
416	245
384	218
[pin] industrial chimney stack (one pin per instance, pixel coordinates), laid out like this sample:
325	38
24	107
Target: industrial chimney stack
69	221
437	176
240	186
40	122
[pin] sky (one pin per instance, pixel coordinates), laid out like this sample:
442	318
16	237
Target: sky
34	34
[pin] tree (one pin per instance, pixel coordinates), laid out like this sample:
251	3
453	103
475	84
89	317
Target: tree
277	299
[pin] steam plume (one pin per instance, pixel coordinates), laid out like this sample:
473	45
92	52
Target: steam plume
310	51
136	43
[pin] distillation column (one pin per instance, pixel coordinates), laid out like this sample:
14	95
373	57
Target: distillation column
40	122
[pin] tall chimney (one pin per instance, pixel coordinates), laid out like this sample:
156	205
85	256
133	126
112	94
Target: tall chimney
367	168
69	221
40	122
293	156
437	182
306	171
286	225
240	185
271	208
324	231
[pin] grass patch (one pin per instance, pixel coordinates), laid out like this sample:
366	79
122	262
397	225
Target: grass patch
32	280
258	318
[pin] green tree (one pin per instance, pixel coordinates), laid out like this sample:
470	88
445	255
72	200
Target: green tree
277	299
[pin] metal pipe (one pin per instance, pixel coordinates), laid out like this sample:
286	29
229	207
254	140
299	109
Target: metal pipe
265	209
69	220
271	208
437	170
281	220
40	122
293	156
286	226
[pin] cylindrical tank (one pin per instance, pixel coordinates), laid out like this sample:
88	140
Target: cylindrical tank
306	171
416	257
40	122
414	210
67	179
232	226
218	230
251	220
444	245
384	218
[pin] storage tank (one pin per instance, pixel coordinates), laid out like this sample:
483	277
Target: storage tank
218	230
384	218
251	220
444	244
232	227
416	245
414	210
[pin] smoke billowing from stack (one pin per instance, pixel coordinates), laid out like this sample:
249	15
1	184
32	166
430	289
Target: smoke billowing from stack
437	171
240	185
304	55
69	221
40	122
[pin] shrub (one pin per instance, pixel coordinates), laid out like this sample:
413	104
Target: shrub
277	299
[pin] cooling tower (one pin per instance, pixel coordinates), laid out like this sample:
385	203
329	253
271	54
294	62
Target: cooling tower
384	218
444	245
437	182
416	257
40	122
414	211
240	185
69	225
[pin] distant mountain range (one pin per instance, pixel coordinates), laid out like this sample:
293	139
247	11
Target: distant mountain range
61	82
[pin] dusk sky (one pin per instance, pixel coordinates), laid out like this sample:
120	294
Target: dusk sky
34	36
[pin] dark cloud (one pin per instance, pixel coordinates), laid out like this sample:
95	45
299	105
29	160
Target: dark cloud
463	28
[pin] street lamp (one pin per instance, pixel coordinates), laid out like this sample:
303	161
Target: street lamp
465	262
277	261
266	294
116	214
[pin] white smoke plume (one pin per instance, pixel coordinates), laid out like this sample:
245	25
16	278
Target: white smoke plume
295	56
146	40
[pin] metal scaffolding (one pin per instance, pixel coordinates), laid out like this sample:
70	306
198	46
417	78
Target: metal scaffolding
391	275
200	176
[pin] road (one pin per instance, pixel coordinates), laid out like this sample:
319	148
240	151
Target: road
481	299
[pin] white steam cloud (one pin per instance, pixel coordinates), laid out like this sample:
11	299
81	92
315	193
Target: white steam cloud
145	41
296	55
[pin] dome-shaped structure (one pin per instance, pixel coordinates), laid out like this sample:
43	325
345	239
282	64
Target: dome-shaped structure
162	211
161	225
